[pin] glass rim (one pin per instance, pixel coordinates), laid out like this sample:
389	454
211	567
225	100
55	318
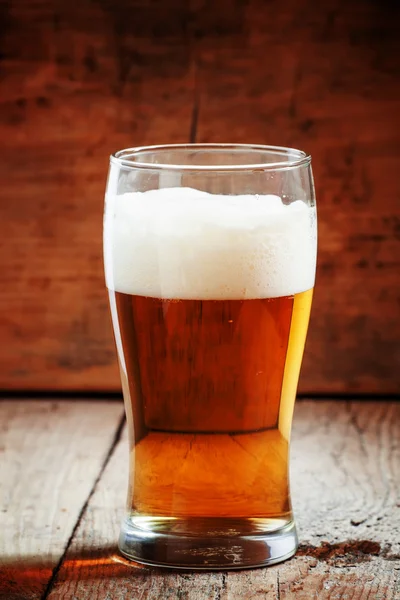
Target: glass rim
296	158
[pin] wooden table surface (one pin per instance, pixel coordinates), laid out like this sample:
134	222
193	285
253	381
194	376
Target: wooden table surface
63	484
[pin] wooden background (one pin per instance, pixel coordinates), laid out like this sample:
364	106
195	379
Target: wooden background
80	80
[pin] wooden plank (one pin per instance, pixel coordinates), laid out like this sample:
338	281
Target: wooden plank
79	83
345	469
320	77
52	453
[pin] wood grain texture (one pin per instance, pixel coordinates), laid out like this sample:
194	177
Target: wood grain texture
80	80
51	454
345	474
325	78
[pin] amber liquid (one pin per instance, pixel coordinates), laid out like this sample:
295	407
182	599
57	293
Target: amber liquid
209	388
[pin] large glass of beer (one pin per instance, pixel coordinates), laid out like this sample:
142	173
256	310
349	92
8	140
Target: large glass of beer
210	254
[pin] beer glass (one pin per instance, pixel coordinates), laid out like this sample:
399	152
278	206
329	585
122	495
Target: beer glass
210	253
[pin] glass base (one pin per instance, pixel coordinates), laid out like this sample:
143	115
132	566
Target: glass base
222	548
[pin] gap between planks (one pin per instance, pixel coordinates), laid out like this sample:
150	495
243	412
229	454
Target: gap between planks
110	452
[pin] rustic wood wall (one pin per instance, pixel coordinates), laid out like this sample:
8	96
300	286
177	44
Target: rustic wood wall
83	79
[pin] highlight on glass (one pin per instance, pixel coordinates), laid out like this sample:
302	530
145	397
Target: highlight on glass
210	255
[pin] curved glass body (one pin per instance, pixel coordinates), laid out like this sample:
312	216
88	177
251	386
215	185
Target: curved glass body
210	254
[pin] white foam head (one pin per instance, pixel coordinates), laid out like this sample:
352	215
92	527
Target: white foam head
187	244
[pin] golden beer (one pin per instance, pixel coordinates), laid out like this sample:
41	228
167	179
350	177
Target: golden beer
210	387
